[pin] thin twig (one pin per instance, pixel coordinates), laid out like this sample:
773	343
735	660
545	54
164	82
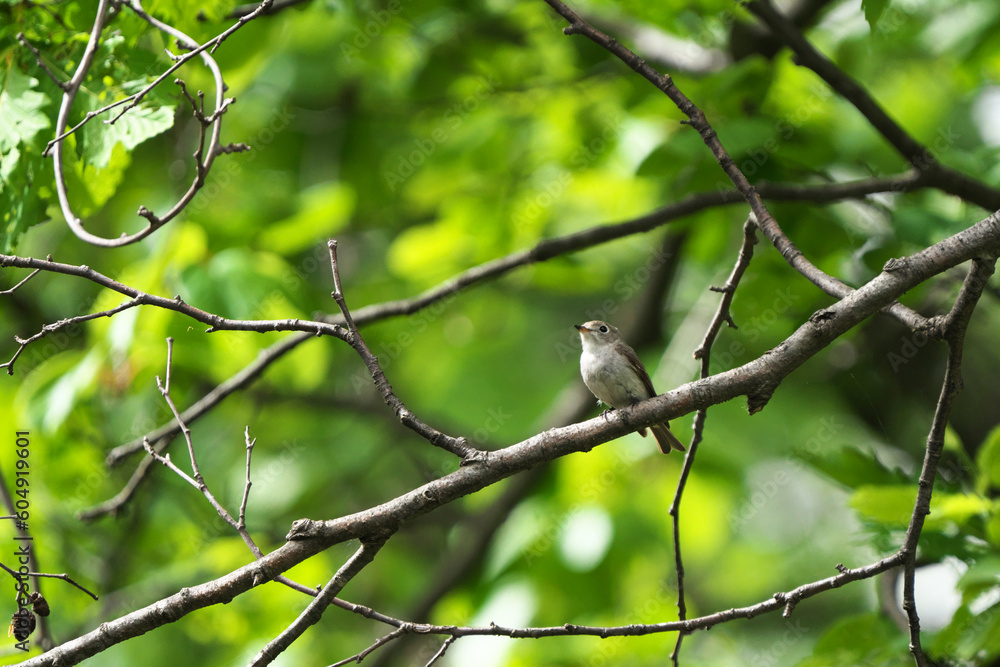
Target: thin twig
64	577
198	481
240	380
242	524
440	652
778	601
308	537
62	324
381	641
703	352
273	8
542	251
195	479
176	304
26	279
41	63
460	447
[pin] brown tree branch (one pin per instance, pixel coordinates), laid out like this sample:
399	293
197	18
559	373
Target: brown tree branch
379	643
198	482
176	304
240	380
272	8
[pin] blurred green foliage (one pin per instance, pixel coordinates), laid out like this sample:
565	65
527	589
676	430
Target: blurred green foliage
431	137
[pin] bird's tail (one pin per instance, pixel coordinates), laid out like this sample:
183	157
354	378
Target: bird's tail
665	440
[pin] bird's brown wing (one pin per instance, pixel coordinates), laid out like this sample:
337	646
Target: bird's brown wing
640	370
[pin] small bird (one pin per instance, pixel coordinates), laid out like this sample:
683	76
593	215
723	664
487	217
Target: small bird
615	375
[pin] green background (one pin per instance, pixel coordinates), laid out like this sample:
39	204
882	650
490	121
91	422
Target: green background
428	138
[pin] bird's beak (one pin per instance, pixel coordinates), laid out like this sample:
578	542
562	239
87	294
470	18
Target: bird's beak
580	328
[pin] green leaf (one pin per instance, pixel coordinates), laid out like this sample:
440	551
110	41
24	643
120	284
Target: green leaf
865	639
133	128
239	283
981	575
89	185
888	505
988	463
21	115
892	505
973	638
851	467
955	509
21	202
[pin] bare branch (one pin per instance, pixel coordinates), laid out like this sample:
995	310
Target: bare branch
62	324
308	537
26	279
65	577
198	481
440	652
272	8
176	304
238	381
542	251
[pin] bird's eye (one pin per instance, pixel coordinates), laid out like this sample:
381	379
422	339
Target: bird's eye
603	329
